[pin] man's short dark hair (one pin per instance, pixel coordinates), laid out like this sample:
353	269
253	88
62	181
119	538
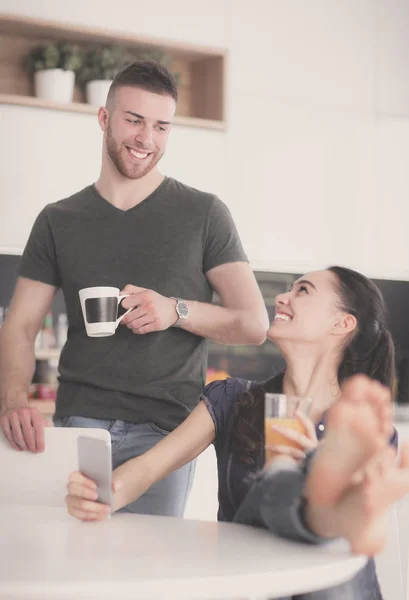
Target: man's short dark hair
148	75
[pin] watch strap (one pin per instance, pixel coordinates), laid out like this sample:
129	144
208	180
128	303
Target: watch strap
181	318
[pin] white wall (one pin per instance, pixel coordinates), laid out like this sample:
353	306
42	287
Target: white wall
319	141
313	164
318	138
182	20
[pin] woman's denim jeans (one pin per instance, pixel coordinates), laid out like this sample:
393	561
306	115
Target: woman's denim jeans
275	502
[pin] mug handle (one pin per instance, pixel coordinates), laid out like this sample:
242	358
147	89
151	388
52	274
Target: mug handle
119	319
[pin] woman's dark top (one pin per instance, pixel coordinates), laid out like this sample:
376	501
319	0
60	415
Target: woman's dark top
234	475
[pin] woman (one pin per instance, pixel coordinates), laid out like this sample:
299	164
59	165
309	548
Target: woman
329	326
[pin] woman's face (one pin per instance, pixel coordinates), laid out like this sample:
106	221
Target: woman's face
310	311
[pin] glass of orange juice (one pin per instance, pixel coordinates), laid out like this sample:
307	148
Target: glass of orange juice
280	409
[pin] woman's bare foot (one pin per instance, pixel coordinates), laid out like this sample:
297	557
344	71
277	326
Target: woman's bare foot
362	513
357	427
360	516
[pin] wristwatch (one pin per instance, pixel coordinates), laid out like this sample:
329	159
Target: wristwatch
182	310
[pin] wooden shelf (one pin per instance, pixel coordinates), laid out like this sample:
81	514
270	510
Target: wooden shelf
202	69
82	107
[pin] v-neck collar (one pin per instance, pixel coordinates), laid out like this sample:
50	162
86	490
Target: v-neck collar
110	206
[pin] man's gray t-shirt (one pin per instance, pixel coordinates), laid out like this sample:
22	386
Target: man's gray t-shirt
166	243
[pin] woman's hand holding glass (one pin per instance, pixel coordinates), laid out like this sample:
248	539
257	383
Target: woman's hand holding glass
293	442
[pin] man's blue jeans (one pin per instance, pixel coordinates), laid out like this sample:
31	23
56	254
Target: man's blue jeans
167	497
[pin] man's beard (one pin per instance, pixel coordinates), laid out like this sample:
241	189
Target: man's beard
129	171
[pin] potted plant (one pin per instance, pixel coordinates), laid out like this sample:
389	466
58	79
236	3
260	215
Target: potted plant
100	65
53	67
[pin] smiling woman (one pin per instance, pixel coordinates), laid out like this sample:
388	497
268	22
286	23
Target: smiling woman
329	326
343	313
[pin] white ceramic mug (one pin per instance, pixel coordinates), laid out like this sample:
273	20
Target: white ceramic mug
100	310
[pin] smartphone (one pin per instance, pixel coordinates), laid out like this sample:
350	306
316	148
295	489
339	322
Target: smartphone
95	462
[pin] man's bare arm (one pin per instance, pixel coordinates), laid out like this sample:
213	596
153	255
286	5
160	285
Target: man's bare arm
21	424
241	319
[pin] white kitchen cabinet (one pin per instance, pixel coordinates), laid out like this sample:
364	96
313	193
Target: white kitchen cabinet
44	156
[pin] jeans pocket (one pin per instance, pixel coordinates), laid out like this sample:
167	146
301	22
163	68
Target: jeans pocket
158	429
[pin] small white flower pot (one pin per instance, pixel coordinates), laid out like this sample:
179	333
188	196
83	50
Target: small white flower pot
54	84
96	91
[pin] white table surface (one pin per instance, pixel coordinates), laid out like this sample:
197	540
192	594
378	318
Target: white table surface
46	554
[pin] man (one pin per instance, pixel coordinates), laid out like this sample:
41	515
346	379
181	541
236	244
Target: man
166	244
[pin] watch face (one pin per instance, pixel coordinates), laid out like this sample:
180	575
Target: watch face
183	310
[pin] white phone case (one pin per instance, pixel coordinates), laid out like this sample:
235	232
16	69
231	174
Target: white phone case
95	462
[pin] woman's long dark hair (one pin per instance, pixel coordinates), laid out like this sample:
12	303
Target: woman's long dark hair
369	350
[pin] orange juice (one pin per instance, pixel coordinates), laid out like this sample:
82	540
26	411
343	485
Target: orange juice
273	438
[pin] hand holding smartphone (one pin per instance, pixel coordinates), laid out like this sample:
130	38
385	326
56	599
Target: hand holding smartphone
95	462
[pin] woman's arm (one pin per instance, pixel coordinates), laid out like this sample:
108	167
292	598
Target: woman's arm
134	477
182	445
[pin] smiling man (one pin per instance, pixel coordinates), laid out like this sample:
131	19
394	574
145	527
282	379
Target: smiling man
167	245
